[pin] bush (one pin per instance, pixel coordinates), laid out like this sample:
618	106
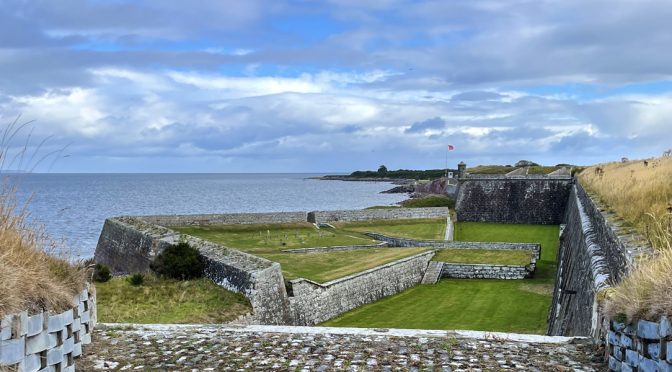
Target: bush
136	279
179	261
101	273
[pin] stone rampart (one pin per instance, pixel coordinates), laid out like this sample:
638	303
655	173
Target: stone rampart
336	248
485	271
593	256
525	199
225	219
47	341
641	346
438	244
314	303
377	214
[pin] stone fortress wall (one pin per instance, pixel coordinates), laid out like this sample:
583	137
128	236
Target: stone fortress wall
485	271
46	341
643	346
129	244
377	214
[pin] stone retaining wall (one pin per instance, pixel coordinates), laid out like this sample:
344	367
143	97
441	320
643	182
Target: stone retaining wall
526	199
46	341
485	271
336	248
643	346
438	244
314	303
591	258
377	214
226	219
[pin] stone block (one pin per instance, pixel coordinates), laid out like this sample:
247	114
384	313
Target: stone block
626	341
669	352
664	366
613	338
647	365
614	364
21	323
35	324
40	342
84	295
626	368
653	350
76	325
86	339
646	329
616	326
6	321
12	351
31	363
85	317
617	352
59	321
665	328
54	356
77	350
68	369
631	358
68	345
5	333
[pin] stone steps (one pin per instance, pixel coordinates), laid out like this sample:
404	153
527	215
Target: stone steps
432	273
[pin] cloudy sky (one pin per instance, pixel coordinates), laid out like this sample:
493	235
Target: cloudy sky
292	86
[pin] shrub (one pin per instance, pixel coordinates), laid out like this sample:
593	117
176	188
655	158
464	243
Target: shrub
136	279
101	273
179	261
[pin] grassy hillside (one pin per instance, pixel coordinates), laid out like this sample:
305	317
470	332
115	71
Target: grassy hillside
640	193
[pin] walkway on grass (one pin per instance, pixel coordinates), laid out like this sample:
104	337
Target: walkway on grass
221	348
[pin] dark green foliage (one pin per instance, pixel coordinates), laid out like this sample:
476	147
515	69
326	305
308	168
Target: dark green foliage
429	201
101	273
136	279
402	174
382	170
179	261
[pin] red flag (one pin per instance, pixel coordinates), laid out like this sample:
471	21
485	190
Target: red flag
451	147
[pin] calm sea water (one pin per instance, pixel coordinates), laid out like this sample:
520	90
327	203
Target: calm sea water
73	207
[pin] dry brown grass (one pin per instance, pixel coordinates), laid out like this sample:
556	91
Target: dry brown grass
31	279
640	194
636	192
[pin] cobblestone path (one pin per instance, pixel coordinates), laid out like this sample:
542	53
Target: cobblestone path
213	348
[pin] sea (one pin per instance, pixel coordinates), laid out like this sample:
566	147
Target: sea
71	208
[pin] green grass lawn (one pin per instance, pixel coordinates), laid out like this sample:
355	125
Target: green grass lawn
489	305
483	256
266	240
422	228
168	301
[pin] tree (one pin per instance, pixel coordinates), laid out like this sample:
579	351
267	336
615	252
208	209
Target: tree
382	169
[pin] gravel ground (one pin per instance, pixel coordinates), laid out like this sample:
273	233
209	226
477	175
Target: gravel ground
214	348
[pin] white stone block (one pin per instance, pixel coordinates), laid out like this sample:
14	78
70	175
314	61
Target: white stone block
84	295
86	339
76	325
54	356
59	321
31	363
68	345
35	324
40	342
77	350
85	317
12	351
22	326
5	333
68	369
6	321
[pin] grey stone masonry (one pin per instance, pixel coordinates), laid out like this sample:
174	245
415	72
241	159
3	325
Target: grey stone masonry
515	199
46	341
534	248
314	303
485	271
377	214
225	219
641	346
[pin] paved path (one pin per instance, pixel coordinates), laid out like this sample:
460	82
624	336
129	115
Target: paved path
218	348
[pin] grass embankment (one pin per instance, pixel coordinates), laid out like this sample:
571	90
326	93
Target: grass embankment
490	305
481	256
429	201
268	241
31	279
640	194
168	301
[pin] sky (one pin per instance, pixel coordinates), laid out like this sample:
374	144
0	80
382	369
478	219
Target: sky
331	86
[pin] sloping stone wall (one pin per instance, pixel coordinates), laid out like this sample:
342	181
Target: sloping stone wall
592	257
642	346
533	199
314	303
377	214
46	341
